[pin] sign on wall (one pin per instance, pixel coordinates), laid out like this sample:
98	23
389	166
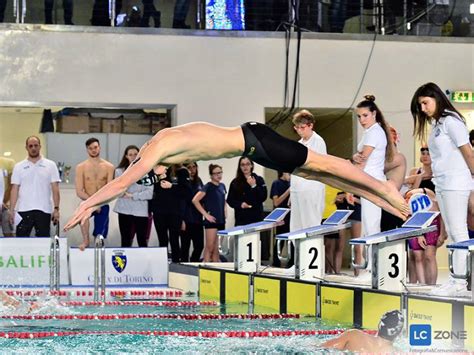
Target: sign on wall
123	266
25	261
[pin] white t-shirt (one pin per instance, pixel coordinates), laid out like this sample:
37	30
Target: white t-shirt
450	170
375	137
34	180
316	144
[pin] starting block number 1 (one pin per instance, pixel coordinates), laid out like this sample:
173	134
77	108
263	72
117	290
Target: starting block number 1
248	252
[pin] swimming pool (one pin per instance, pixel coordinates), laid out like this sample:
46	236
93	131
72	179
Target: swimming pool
182	325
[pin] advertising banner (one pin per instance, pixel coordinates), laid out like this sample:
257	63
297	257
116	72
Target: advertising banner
25	261
123	266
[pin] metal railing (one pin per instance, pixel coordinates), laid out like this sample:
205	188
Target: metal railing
54	263
99	267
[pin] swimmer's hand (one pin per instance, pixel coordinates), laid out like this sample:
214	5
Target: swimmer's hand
81	215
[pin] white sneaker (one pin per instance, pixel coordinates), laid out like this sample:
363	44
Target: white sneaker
290	271
452	288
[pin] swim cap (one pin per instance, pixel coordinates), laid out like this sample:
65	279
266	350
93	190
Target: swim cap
391	325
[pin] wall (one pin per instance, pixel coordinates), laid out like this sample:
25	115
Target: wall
225	78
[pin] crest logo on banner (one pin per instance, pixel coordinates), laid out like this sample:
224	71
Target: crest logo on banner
119	261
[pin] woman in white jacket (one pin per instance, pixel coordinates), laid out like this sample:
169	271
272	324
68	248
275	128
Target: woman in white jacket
452	165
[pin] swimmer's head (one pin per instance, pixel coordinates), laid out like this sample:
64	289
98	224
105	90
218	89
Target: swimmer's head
391	325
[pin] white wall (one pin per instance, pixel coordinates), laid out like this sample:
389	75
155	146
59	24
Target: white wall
224	78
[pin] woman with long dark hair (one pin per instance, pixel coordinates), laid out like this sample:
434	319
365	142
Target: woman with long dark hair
452	166
373	150
247	193
132	206
193	230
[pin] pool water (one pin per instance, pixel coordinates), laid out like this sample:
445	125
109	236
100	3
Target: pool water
132	343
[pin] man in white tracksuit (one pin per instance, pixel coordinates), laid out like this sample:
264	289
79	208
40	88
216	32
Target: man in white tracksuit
307	197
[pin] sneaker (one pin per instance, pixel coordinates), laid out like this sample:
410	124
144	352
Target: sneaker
290	270
452	288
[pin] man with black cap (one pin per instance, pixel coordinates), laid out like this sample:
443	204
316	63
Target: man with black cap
390	327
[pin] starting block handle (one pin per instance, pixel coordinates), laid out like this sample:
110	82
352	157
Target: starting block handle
224	250
280	250
464	276
353	257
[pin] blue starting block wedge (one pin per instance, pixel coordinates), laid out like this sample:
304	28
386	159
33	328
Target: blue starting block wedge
468	247
389	255
247	255
309	245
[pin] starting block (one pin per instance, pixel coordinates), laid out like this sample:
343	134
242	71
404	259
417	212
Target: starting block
389	251
468	246
309	245
247	256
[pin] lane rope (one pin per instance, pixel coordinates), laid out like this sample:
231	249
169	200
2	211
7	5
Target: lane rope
140	303
89	293
150	316
181	333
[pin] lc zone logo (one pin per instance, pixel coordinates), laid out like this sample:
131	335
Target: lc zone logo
420	334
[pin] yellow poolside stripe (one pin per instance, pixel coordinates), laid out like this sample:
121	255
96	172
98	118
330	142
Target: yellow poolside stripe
301	298
209	285
469	326
374	305
267	293
236	288
337	304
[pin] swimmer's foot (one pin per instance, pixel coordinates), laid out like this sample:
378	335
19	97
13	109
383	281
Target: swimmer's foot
84	245
399	207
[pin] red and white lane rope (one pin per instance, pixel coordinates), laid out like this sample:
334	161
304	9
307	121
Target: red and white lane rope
150	316
180	333
89	293
141	303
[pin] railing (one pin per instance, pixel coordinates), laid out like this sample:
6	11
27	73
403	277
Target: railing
382	17
99	267
54	264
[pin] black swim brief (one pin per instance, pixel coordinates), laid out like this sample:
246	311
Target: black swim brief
271	150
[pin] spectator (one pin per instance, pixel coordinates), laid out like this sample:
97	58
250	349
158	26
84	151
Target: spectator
6	169
422	177
246	194
374	149
280	195
307	197
181	8
132	206
194	230
167	206
334	243
35	181
422	266
395	171
149	10
100	12
213	209
91	175
453	166
67	8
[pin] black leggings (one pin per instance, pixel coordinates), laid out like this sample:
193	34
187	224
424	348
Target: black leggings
37	219
129	225
167	227
194	232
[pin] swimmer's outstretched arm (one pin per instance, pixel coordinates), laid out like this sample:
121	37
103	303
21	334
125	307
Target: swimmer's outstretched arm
145	161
